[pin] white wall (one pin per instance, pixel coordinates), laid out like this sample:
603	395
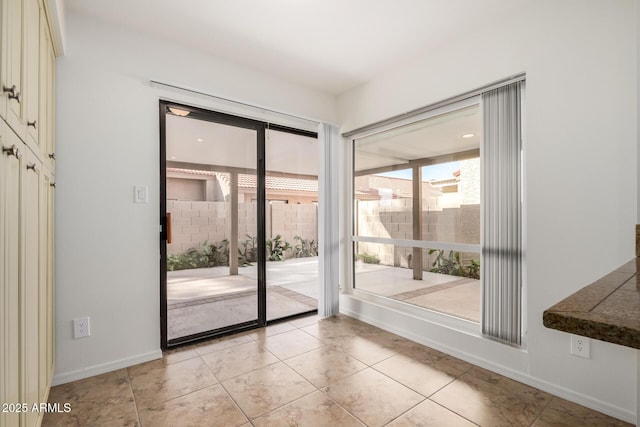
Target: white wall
581	159
107	248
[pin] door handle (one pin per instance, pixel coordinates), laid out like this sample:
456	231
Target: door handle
169	236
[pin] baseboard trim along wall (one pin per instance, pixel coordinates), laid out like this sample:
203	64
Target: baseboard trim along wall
90	371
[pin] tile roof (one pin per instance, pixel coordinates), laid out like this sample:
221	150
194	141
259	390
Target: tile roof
249	181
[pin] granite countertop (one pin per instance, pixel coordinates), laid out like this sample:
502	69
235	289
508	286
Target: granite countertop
607	310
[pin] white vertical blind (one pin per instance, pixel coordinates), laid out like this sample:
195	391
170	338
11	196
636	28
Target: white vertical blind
328	232
502	212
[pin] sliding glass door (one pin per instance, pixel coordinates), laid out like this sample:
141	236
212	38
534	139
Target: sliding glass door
211	285
217	205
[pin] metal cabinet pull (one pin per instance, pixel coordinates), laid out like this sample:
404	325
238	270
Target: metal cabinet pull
32	166
9	90
53	184
33	124
52	156
12	93
12	151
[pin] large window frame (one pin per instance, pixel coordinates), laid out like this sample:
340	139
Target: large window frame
411	243
443	319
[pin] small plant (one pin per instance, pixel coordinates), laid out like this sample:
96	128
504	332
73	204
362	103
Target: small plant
216	254
277	248
191	258
368	258
247	252
211	255
305	248
452	266
473	269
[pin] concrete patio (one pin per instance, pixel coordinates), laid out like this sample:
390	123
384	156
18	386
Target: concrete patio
209	298
203	299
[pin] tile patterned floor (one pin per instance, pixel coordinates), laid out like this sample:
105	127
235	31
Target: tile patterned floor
334	372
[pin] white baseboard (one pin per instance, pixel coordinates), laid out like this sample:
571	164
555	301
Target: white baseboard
554	389
90	371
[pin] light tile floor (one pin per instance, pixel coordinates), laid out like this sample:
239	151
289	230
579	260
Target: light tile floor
335	372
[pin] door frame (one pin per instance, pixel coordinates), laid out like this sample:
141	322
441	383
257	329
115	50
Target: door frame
227	119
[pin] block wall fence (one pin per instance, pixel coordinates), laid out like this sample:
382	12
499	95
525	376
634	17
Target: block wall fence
193	223
393	219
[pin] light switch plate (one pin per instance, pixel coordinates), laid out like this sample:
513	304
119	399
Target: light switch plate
140	194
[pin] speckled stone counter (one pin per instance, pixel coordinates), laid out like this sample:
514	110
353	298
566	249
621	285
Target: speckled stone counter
607	310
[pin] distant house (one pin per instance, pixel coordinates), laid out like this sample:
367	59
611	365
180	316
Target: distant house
199	185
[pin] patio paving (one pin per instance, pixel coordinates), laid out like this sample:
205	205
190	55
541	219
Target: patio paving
453	295
203	299
208	298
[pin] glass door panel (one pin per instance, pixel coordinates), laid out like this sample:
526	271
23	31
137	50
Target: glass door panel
291	221
211	180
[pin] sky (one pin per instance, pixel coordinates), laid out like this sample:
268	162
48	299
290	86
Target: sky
441	171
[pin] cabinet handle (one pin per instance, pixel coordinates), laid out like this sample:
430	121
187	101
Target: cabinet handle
12	151
53	184
52	156
33	123
12	93
32	166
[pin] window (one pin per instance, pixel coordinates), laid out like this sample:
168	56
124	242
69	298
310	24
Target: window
417	212
437	202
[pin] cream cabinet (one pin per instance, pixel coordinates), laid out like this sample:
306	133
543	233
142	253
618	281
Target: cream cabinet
11	166
12	76
45	125
31	71
20	69
27	195
30	285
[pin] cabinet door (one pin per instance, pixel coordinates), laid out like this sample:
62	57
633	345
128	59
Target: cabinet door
47	88
43	289
30	303
50	296
11	164
4	59
31	57
12	40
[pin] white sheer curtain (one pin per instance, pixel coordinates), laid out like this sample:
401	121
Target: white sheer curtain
328	232
501	155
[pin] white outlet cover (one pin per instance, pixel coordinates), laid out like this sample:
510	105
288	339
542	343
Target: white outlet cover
581	346
81	328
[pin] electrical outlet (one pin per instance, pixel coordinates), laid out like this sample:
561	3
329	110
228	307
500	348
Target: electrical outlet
581	346
81	328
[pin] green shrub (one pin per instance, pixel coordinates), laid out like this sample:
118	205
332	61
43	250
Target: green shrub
305	248
247	251
217	254
211	255
368	258
452	266
189	259
277	248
